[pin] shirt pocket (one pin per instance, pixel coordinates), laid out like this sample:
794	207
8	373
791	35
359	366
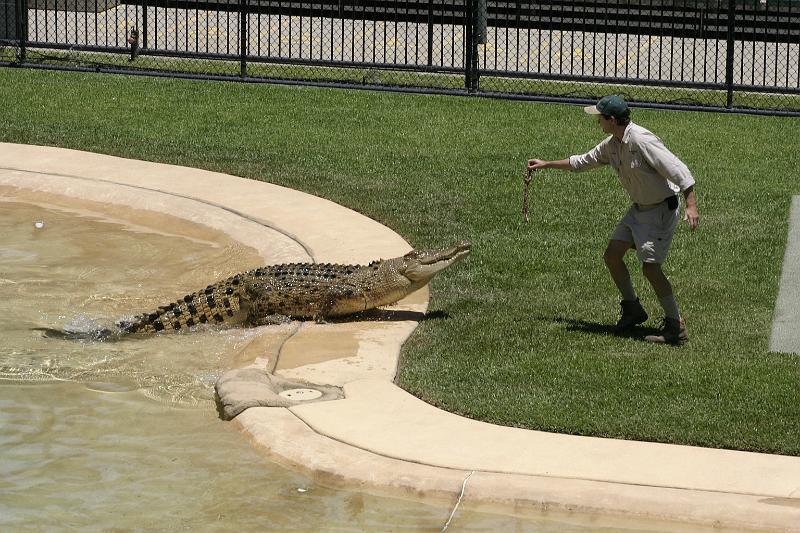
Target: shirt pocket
636	159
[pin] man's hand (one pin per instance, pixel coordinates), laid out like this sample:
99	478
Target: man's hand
690	213
534	164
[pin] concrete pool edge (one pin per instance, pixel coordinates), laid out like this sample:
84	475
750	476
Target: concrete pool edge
336	442
584	502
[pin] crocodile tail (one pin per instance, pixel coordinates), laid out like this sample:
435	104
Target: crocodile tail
100	334
216	304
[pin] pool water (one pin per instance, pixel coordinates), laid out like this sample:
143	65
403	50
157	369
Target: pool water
124	436
80	271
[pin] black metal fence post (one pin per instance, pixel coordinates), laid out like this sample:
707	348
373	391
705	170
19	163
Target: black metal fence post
430	33
144	24
471	46
467	44
243	38
22	28
480	21
730	53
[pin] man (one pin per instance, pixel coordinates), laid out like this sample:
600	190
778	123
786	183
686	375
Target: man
652	176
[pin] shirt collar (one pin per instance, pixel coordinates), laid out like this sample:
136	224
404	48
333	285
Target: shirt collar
627	135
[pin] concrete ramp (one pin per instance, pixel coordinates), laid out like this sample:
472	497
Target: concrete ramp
786	320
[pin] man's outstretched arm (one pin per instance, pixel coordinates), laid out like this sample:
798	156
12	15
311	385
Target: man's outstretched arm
561	164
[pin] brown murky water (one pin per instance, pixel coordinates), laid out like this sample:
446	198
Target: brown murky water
125	436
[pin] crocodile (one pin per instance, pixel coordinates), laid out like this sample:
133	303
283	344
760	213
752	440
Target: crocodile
279	293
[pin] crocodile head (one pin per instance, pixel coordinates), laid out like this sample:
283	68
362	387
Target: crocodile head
420	266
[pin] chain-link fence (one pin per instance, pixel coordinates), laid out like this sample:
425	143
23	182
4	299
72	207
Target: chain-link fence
723	54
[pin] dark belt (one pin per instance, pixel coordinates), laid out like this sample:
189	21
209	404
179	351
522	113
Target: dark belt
672	202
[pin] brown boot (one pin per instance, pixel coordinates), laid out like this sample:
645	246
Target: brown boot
674	332
632	314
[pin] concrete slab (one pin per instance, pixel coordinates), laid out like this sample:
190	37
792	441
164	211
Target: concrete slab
786	320
380	438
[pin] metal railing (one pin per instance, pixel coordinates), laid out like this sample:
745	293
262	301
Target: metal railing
739	55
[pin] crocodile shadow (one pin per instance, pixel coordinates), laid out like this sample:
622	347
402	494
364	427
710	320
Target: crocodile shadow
373	315
391	315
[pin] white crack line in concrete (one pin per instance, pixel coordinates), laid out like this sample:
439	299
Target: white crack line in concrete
458	502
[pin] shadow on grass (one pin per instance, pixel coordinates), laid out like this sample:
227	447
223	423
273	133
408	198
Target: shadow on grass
373	315
596	328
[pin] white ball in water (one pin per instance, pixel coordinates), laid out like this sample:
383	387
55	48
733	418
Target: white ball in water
39	224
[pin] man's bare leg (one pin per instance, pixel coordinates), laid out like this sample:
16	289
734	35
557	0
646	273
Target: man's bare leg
613	257
674	331
663	289
632	311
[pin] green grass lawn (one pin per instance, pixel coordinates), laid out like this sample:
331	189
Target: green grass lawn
517	334
399	79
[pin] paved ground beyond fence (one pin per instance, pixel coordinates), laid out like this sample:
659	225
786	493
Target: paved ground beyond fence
512	51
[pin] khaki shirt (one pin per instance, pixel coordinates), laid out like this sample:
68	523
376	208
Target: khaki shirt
648	171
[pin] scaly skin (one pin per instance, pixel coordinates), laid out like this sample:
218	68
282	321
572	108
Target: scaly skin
278	293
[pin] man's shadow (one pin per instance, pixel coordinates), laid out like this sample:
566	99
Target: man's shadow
596	328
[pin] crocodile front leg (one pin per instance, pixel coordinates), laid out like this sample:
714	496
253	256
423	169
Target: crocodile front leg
345	299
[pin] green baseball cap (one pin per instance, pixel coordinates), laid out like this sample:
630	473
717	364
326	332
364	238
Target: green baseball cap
610	106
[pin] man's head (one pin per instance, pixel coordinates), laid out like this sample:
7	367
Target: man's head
612	110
